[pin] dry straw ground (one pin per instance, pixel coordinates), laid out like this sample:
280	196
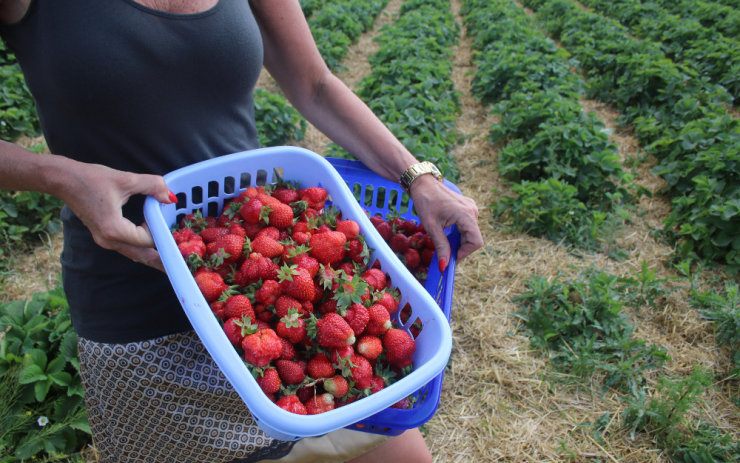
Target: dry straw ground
501	402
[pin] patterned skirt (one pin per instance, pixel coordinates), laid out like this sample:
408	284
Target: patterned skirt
166	400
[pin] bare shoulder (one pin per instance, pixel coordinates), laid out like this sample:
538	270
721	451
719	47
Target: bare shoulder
12	11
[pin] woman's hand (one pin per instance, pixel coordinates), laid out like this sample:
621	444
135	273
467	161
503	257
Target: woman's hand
439	207
96	193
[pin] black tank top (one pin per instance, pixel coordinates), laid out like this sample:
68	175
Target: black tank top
140	90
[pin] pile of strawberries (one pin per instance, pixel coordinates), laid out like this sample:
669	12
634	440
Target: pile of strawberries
289	280
409	241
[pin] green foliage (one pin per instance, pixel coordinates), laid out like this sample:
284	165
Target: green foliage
580	322
42	412
311	6
24	215
724	310
664	417
277	121
551	209
568	174
338	24
678	116
410	87
17	108
681	39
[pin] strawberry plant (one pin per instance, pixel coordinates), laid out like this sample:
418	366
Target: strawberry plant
568	176
678	117
581	324
338	24
721	18
723	308
410	87
665	417
42	413
277	121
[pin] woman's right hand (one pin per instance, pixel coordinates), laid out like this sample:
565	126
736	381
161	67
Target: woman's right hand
96	194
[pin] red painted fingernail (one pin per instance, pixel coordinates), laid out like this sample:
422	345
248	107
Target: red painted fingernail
442	265
173	198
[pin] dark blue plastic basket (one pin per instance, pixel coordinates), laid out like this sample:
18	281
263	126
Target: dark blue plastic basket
380	196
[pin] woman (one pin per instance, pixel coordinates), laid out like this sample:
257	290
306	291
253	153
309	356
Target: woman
126	91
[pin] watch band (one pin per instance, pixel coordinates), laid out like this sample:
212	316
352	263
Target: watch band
417	170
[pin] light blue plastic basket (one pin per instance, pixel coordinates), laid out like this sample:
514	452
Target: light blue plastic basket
205	186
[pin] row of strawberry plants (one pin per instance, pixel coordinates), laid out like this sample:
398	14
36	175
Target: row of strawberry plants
338	24
568	174
582	325
681	39
309	7
410	86
676	117
722	18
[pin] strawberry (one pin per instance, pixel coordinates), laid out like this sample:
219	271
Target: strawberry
285	195
376	384
399	243
319	366
314	196
340	354
292	327
305	393
232	245
251	229
194	246
416	241
269	381
290	371
301	237
328	248
209	235
292	404
233	330
307	262
296	282
250	211
380	320
357	317
267	246
238	306
211	284
217	307
412	258
404	403
333	331
407	227
280	216
389	301
182	235
288	350
399	347
385	230
284	304
350	228
362	372
268	293
262	347
328	306
370	347
375	278
336	386
321	403
376	220
256	267
426	256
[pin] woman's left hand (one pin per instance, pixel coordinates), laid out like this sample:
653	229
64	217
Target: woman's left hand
439	207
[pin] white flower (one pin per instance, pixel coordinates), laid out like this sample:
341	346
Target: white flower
42	421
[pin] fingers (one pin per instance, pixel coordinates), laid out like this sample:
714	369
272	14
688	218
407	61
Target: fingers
152	185
146	256
470	238
441	244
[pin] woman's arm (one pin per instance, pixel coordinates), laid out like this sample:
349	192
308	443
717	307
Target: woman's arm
292	58
95	194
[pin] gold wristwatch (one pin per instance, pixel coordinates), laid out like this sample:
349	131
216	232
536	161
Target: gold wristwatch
417	170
